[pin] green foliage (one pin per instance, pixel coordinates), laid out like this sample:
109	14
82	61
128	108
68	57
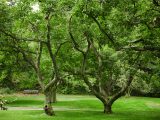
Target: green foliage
132	25
25	80
72	85
5	91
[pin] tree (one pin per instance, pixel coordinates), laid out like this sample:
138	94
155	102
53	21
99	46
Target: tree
31	36
106	24
110	43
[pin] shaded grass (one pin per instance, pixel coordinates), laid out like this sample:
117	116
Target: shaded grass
126	108
80	115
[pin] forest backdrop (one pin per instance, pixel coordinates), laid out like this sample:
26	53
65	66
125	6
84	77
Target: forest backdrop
107	48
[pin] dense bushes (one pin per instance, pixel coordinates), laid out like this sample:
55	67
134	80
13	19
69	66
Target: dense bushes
5	91
72	86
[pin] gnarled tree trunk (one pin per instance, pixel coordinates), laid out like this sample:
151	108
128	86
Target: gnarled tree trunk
107	108
48	104
53	96
108	101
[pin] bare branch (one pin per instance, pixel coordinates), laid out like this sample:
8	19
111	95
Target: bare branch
145	48
122	91
137	41
11	35
53	83
82	73
39	54
76	46
130	79
59	47
111	39
52	56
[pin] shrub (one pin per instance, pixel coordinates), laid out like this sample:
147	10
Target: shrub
5	91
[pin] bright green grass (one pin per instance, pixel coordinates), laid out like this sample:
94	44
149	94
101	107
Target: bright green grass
126	108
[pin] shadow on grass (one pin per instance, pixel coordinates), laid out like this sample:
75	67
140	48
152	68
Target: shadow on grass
26	103
80	115
98	115
117	115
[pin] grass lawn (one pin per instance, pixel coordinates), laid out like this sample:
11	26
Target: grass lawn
75	107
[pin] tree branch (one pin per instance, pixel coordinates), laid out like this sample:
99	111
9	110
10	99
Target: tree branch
130	79
111	39
145	48
76	46
11	35
59	47
54	81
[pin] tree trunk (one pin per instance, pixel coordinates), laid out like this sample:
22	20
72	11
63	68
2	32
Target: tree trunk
53	96
107	108
48	105
106	103
101	89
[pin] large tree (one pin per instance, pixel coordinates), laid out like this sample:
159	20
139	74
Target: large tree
104	26
111	41
37	36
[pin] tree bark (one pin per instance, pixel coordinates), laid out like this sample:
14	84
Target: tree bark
107	108
106	103
48	105
53	97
